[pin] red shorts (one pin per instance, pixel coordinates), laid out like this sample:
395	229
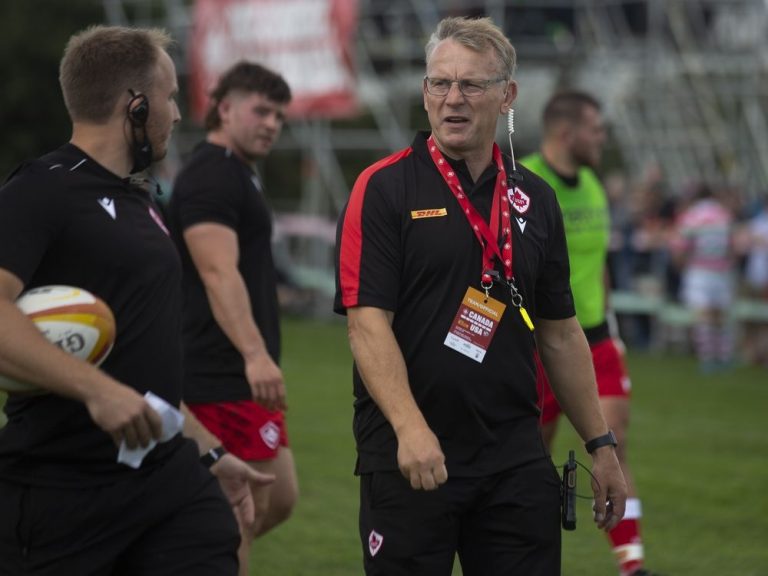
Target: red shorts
246	429
612	378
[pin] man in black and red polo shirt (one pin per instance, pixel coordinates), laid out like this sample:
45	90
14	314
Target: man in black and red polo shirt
448	256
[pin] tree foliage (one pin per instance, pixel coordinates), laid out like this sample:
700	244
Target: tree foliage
33	34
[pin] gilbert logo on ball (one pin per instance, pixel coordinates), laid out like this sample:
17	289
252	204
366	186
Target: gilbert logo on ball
71	318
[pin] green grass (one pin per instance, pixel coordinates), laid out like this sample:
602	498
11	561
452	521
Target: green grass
698	452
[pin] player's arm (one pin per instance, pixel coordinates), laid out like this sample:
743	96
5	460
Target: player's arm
26	355
567	359
610	314
382	369
215	253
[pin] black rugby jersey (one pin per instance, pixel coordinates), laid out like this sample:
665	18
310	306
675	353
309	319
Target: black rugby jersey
216	186
405	246
65	219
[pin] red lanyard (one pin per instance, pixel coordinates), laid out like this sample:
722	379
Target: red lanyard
486	235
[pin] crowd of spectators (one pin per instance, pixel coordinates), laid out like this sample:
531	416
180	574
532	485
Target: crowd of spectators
645	216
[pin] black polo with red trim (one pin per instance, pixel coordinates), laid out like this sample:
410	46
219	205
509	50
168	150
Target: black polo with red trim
404	246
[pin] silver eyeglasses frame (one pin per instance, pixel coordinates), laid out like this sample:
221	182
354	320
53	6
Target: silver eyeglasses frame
469	88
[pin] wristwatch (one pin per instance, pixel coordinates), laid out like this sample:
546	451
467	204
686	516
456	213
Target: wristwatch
212	456
601	441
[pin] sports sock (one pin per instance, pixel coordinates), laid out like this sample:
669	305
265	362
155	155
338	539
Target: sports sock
726	340
625	539
705	336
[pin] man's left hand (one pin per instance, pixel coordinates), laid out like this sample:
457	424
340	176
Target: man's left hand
609	487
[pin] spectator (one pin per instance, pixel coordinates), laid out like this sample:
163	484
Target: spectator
756	283
703	249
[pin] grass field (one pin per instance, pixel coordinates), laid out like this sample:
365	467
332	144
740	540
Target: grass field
698	447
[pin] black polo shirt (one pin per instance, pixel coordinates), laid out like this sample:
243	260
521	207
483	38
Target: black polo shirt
216	186
64	219
389	256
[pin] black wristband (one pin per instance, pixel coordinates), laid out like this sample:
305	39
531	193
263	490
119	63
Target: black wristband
212	456
601	441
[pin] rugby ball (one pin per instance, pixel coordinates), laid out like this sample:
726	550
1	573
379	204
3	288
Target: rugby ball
71	318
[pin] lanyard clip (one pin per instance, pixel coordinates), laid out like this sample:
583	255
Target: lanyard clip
517	301
488	278
517	298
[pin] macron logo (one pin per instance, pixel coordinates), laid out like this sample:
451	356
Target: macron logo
109	205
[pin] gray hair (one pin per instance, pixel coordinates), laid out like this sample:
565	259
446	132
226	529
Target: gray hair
478	34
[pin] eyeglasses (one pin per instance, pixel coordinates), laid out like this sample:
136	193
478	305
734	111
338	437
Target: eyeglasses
441	86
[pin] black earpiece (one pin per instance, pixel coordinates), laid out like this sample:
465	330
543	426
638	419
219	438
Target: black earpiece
141	148
138	109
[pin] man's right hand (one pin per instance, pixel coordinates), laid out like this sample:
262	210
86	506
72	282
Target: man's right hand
124	414
238	482
420	458
266	381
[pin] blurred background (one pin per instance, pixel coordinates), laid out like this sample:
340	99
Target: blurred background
683	84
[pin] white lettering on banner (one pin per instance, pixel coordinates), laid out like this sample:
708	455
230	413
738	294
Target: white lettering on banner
307	41
325	77
295	38
281	21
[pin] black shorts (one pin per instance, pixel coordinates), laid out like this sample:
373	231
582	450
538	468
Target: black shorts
168	521
508	523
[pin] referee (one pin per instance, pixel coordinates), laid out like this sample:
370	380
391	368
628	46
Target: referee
75	217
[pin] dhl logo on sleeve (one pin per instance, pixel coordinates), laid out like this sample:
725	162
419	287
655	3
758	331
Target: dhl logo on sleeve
428	213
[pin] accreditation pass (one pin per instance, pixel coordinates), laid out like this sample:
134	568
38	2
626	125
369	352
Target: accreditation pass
474	325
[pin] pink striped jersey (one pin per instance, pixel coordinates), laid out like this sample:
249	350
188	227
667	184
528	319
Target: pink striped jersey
703	232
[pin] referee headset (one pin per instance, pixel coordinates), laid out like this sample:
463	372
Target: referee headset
514	177
137	113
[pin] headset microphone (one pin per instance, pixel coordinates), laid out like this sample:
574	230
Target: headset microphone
515	176
137	113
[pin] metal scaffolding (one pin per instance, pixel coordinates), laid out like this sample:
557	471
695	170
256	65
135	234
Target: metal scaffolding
683	84
690	95
682	81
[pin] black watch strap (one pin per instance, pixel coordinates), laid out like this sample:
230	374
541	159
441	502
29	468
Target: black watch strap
212	456
601	441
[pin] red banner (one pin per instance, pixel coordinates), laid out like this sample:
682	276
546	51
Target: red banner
308	42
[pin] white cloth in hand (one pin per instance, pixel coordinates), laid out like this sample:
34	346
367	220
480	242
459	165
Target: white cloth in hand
173	422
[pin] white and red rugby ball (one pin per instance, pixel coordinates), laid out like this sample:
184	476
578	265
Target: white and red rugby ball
73	319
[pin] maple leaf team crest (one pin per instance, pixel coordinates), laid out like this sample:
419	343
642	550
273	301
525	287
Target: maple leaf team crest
374	542
519	200
270	434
